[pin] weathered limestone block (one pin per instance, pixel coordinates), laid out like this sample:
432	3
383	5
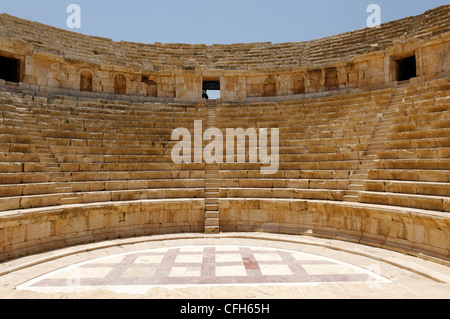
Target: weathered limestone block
40	201
399	200
438	238
93	197
34	189
408	188
427	202
36	231
447	205
11	236
95	220
11	167
126	195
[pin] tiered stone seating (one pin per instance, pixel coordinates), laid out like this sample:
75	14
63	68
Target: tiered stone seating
413	168
235	56
322	144
364	163
101	152
98	168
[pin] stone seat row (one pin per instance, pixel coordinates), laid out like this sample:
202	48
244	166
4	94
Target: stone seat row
357	42
99	162
118	120
414	164
47	200
282	193
420	134
286	174
228	113
337	184
287	170
96	175
427	202
58	176
113	134
98	111
24	148
419	201
319	105
299	114
413	167
102	151
314	126
19	157
85	142
414	153
286	165
12	190
14	135
423	175
418	143
83	164
439	121
154	121
28	167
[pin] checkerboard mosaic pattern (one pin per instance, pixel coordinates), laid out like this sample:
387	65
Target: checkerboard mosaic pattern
202	265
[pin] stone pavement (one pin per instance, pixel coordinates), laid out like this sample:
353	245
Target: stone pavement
224	266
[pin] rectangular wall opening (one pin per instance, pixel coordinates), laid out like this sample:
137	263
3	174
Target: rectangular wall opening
211	90
10	69
406	68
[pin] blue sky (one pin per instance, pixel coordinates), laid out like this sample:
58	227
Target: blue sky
213	21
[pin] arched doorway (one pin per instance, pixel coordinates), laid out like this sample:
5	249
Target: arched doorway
120	84
270	87
86	81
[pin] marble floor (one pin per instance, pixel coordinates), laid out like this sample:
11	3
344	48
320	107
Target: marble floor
224	266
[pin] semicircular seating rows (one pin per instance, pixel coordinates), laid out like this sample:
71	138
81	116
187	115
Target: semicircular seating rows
371	166
81	160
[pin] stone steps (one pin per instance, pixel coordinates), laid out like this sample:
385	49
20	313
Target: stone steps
69	200
212	222
252	55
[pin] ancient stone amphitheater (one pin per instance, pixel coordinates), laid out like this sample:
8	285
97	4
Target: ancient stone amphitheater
364	137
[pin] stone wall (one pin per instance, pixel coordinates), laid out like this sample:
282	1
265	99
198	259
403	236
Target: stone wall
36	230
410	231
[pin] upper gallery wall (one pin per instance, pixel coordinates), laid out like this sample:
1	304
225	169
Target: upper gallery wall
47	59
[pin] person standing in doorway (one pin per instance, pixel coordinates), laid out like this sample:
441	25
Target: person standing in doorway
205	95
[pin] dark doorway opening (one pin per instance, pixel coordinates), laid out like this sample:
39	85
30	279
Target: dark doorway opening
86	81
211	90
406	68
10	69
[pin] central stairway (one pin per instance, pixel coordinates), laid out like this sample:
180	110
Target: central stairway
379	136
211	181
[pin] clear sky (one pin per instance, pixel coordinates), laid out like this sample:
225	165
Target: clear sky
214	21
